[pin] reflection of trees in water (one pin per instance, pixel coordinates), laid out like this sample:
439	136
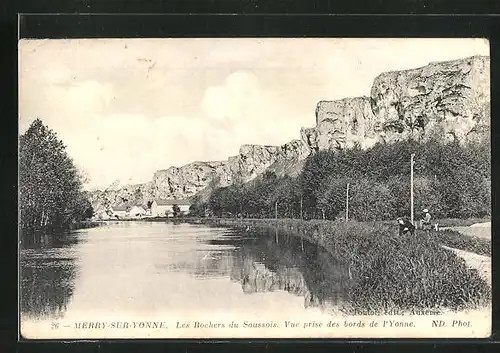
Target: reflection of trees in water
46	240
269	262
47	280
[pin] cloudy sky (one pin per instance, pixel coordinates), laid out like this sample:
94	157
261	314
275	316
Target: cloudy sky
128	107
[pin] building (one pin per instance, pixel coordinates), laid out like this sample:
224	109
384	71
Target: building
119	211
137	212
162	208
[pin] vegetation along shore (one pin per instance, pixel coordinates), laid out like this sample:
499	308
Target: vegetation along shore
386	271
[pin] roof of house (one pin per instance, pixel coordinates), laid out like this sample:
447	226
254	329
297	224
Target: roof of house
168	202
138	208
119	208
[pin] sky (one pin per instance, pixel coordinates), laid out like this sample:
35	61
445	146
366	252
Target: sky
128	107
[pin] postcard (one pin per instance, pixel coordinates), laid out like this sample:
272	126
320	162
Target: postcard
254	188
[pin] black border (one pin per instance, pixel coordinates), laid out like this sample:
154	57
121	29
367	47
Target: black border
260	6
250	25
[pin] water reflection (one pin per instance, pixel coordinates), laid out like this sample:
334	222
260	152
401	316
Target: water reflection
158	267
270	262
47	276
267	261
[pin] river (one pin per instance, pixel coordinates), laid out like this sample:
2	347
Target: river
130	270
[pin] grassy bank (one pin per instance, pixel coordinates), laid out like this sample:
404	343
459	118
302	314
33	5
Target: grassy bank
386	271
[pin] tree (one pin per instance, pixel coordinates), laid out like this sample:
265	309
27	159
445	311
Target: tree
197	207
89	212
176	210
370	200
286	197
428	195
50	188
332	197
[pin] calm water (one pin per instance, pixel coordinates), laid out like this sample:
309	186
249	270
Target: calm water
138	268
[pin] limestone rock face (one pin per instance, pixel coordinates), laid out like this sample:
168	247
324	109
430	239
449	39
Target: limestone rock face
252	160
290	158
189	180
130	195
346	123
179	183
448	100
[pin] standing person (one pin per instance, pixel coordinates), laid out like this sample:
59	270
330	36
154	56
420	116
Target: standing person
405	226
426	220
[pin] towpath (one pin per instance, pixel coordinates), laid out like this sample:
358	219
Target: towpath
472	260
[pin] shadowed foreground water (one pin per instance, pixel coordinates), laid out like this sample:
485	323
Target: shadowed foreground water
140	268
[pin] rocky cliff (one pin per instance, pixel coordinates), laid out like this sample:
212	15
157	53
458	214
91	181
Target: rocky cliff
449	100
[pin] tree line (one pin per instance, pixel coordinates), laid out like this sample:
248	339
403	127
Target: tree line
451	180
51	195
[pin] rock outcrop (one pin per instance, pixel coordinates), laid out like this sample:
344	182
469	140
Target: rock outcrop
451	99
188	180
448	100
346	123
139	194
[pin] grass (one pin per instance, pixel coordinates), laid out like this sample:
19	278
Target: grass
388	271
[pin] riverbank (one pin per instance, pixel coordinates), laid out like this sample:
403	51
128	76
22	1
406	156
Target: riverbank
85	225
453	237
386	271
30	237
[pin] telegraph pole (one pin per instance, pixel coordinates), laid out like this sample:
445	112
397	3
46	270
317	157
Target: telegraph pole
301	217
411	187
347	203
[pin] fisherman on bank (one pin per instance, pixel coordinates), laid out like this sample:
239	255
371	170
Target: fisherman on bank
426	220
405	226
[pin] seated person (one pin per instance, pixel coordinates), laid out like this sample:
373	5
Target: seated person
405	226
426	221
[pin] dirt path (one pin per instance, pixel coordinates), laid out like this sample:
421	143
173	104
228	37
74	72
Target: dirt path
472	260
480	262
480	230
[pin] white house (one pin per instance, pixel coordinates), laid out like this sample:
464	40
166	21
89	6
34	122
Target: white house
162	208
137	212
119	211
